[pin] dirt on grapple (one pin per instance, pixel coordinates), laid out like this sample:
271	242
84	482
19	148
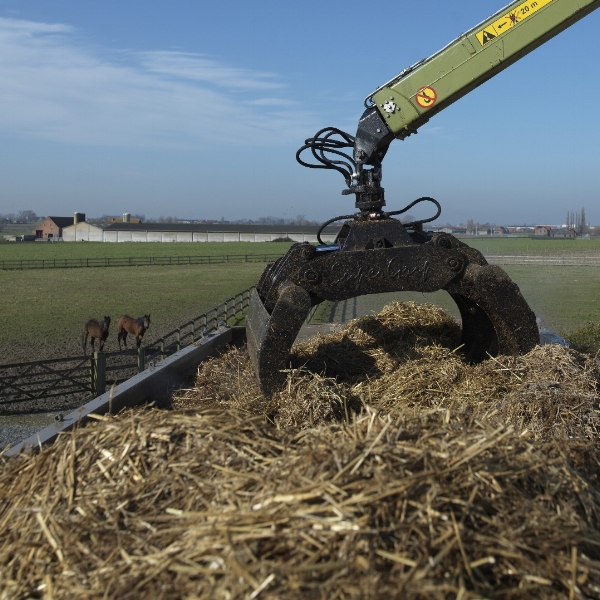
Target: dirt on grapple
387	467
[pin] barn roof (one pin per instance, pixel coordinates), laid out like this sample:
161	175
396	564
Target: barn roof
62	221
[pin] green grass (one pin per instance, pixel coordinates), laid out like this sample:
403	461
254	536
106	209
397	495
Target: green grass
38	250
564	298
524	245
47	308
486	245
586	339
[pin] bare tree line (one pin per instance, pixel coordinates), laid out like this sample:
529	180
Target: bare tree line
577	222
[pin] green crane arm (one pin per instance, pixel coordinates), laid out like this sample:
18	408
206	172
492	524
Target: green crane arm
409	100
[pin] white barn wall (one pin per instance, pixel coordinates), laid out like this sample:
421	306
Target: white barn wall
139	236
88	232
214	237
82	232
96	235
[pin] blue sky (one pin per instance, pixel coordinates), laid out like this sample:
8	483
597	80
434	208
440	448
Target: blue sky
196	109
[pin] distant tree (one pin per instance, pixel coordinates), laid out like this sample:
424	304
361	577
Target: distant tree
582	227
28	216
470	226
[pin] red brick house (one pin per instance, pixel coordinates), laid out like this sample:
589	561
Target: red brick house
51	227
542	230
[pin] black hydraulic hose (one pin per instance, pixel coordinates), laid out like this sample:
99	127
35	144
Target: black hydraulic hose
420	221
328	223
389	214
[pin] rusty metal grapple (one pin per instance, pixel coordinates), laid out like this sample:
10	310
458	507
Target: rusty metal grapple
374	253
382	255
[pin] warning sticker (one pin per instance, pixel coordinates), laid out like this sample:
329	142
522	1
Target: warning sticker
426	97
515	16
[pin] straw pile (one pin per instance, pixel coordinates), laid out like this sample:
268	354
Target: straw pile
387	468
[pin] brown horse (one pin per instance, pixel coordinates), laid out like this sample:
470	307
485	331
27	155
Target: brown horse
98	330
137	327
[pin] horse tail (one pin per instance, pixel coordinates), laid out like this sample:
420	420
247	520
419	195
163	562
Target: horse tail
84	337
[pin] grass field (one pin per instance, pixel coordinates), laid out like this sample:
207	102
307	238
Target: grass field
47	250
527	245
564	298
486	245
42	312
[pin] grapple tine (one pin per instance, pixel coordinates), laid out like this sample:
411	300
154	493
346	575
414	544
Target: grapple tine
496	319
270	336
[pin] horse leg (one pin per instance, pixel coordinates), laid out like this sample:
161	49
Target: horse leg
84	337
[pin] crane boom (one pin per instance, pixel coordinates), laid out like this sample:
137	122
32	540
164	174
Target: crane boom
374	252
406	102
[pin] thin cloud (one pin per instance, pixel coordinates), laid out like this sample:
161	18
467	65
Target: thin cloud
195	67
55	88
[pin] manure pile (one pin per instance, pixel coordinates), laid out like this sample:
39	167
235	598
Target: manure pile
388	468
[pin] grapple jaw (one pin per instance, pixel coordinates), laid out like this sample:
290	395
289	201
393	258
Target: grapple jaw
382	256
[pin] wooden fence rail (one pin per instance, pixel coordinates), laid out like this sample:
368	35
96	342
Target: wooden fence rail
567	260
85	377
21	382
145	261
133	261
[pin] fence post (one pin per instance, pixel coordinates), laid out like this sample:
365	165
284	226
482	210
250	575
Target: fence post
178	339
162	350
141	359
99	376
92	374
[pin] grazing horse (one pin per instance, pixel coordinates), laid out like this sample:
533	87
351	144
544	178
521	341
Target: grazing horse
127	324
97	330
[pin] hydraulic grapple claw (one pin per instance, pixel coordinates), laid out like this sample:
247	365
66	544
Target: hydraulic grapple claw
270	336
382	256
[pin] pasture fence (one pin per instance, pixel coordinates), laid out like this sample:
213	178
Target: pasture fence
76	379
542	258
133	261
571	260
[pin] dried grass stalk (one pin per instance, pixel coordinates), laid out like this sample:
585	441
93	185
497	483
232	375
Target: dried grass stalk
393	470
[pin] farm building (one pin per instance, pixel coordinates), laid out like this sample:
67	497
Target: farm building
51	228
83	231
126	218
563	232
200	232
